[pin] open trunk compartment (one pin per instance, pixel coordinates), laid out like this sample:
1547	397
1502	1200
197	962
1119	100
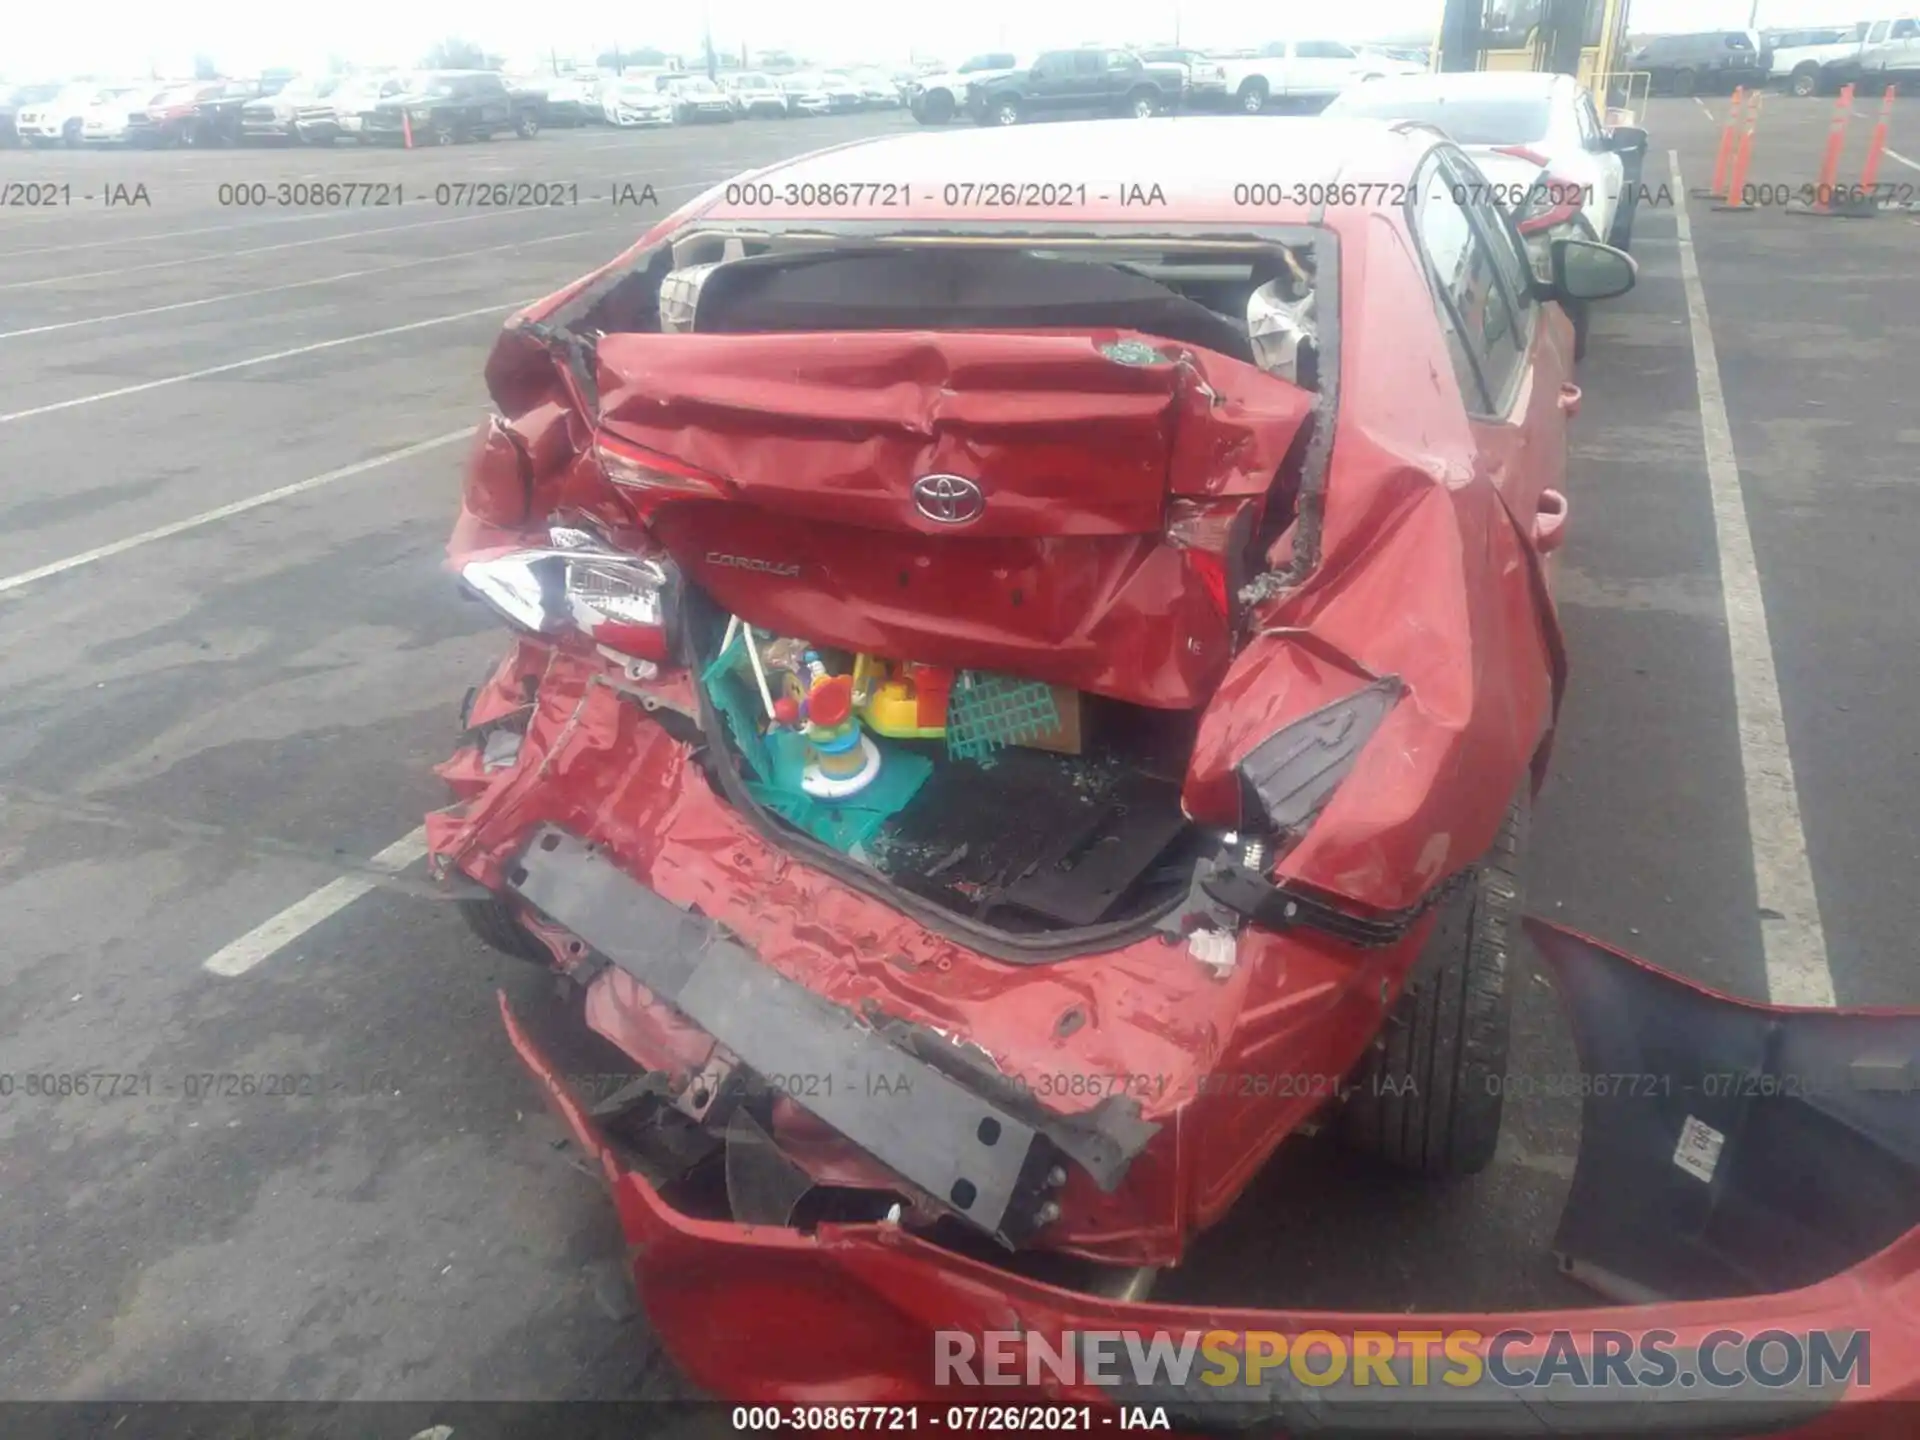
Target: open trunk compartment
1023	806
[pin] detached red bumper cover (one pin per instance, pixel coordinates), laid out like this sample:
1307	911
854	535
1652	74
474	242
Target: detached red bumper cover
1756	1190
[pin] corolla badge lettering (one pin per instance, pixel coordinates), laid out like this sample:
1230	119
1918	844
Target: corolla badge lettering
948	499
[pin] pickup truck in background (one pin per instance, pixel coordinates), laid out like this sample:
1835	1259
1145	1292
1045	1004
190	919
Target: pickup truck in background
1888	54
1089	80
1793	58
1306	73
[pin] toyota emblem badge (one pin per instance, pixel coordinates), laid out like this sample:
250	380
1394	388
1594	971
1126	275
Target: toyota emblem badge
948	499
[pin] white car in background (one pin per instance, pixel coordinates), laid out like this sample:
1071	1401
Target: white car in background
935	99
753	93
877	88
1307	71
322	119
1206	74
105	122
806	94
61	120
632	101
1538	141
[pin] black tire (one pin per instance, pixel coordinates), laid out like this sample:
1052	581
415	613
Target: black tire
1005	112
493	922
1252	95
936	109
1805	81
70	134
1427	1097
442	135
526	127
1143	104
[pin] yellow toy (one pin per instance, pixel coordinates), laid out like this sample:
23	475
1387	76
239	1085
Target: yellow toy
902	702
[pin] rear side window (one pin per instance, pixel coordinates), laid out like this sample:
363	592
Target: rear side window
1739	42
1487	335
1322	50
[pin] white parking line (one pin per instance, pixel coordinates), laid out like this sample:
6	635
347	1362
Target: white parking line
289	285
1896	155
145	385
294	921
221	512
251	223
371	232
1790	929
1703	107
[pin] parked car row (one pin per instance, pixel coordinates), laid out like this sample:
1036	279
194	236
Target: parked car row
678	97
426	107
1809	60
1005	87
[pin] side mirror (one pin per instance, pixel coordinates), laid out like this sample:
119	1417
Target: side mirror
1627	140
1588	270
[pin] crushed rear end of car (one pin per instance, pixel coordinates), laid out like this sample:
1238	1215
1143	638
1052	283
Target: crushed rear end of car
993	736
1749	1216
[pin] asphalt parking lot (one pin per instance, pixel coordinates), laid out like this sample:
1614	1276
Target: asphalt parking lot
211	726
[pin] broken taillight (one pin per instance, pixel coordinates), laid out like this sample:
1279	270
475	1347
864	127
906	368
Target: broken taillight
1214	534
622	601
651	479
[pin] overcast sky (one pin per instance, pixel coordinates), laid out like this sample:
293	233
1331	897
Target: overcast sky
133	36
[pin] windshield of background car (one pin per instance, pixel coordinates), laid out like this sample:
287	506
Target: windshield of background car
1000	60
35	94
1476	120
703	88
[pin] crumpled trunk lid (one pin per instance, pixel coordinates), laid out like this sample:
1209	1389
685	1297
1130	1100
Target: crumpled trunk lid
1052	504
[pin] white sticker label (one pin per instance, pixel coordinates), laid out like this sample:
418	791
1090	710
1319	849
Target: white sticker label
1698	1152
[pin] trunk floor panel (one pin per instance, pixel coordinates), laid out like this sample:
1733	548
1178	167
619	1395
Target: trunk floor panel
1030	838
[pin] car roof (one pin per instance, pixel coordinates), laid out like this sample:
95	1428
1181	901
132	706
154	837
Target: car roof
1196	159
1516	84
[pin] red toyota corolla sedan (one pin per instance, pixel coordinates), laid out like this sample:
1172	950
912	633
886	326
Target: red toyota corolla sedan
1034	648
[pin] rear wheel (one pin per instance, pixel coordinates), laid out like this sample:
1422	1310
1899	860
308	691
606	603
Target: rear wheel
1252	96
1143	104
1427	1097
526	127
1006	112
1806	81
937	108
